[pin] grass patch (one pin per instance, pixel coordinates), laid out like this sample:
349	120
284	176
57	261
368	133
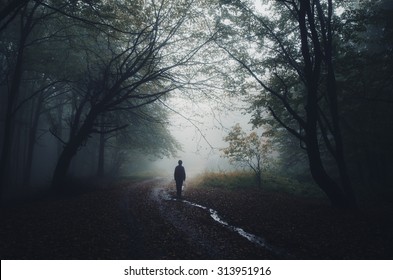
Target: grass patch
289	185
230	180
270	182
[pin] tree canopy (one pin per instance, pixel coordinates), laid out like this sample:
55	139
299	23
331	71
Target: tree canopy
89	79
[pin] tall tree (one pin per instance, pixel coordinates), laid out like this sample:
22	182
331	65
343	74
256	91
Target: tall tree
14	56
297	38
364	71
133	71
32	45
90	67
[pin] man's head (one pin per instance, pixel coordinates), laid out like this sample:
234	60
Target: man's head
180	162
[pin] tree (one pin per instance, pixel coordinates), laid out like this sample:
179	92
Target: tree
295	68
247	150
146	133
132	72
364	71
16	44
84	68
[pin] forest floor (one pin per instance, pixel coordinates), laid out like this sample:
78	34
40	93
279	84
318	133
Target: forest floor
143	220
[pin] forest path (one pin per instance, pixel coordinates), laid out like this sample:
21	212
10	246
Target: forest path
173	228
220	223
141	219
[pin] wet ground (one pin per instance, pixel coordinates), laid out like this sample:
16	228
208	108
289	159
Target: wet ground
144	220
218	223
171	228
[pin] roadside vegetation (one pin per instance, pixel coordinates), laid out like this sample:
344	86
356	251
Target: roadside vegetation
236	180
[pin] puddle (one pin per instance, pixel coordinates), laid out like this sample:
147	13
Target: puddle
260	241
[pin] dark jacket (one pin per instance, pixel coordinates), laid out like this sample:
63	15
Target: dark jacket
180	173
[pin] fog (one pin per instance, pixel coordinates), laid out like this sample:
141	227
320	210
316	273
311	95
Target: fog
200	128
95	105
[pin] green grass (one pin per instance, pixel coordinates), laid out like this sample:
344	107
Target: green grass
270	182
230	180
280	183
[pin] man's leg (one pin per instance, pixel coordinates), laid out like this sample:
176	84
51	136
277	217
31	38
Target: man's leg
178	188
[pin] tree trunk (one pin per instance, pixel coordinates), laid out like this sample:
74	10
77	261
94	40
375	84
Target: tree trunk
339	151
334	111
318	172
259	179
69	151
9	119
340	196
13	93
320	176
32	140
101	156
59	129
63	165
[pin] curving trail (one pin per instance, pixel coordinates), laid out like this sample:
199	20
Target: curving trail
133	219
174	228
160	195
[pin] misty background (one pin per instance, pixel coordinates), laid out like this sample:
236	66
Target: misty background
200	130
108	89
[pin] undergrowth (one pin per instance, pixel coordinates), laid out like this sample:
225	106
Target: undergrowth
243	180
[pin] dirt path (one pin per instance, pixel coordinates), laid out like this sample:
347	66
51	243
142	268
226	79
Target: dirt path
172	228
253	224
142	220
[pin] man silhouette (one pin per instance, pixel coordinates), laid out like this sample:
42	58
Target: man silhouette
180	177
